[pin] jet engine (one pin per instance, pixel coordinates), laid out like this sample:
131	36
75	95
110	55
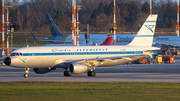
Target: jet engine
77	68
42	70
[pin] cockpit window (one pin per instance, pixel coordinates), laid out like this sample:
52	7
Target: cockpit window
16	54
13	54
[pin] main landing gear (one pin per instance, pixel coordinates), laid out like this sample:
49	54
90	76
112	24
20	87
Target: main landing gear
91	73
67	73
26	72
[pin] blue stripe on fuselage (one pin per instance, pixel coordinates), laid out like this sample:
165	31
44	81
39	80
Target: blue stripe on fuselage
150	21
83	53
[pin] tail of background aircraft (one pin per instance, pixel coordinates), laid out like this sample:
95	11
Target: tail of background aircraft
145	35
107	41
53	28
131	32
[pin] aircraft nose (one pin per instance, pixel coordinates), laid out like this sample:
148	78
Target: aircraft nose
7	61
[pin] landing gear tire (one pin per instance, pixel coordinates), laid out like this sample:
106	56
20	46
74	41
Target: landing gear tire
26	75
91	73
67	73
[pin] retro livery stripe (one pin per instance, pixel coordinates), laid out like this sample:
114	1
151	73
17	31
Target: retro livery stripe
87	53
150	21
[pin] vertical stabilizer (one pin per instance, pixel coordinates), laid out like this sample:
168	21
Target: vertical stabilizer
107	41
145	35
53	28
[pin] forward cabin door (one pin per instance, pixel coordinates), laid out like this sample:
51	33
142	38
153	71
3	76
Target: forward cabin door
31	55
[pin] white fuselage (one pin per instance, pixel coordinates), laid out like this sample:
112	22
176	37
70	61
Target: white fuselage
49	57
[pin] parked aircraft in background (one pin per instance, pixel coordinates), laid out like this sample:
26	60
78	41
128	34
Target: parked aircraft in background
58	37
167	41
80	59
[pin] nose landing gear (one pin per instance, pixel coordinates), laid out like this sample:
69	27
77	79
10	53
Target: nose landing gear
26	72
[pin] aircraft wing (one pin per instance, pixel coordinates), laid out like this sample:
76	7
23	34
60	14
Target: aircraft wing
98	61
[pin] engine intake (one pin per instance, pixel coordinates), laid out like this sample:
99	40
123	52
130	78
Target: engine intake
77	68
42	70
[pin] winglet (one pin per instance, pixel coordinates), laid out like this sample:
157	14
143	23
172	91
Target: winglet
107	41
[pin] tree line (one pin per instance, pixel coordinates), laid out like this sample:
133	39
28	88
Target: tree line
130	14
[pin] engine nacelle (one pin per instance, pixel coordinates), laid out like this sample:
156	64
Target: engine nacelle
42	70
77	68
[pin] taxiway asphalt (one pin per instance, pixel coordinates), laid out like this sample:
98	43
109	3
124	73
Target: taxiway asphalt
120	73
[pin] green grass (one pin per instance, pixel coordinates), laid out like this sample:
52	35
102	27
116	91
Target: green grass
77	91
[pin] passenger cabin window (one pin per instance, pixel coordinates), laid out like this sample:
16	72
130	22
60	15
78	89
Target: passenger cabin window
16	54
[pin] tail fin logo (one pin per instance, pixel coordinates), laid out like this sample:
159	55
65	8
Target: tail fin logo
51	25
150	27
52	29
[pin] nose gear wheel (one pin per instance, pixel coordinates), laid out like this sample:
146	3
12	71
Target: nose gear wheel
26	72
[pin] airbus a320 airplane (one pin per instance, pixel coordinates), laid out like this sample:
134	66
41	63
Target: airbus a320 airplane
81	59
